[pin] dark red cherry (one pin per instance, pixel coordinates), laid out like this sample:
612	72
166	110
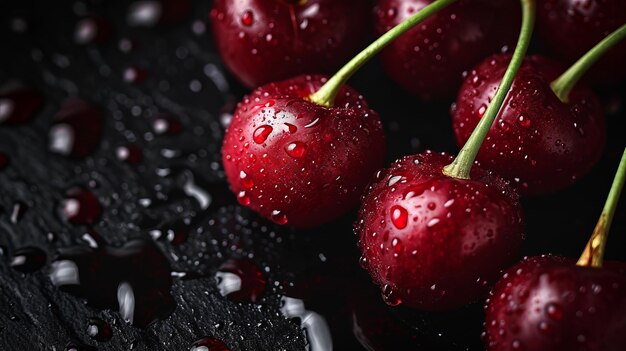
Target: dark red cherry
549	303
569	28
429	59
19	105
433	242
299	163
76	130
267	40
537	142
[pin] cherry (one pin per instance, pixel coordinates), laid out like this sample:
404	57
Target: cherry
435	242
264	41
569	28
538	142
435	231
295	162
429	60
300	151
548	303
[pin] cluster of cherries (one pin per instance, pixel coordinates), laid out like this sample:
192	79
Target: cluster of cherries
436	231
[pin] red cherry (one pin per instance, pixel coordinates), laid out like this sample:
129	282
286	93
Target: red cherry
299	163
264	41
548	303
538	142
457	235
569	28
429	59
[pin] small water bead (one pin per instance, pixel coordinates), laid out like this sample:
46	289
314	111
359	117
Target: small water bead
396	245
433	222
290	128
240	280
19	105
92	30
399	216
135	75
80	206
130	153
247	19
209	344
99	330
296	149
28	259
279	217
554	311
19	209
166	124
243	198
504	126
261	133
245	180
389	296
523	121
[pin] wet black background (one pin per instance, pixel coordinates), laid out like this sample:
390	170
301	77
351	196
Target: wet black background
35	315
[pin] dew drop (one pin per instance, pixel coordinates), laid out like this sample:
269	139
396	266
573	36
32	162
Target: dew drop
279	217
243	198
246	180
399	216
247	19
523	121
260	134
389	296
296	149
290	128
396	245
554	311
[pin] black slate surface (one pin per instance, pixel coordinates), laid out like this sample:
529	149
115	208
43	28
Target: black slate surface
185	78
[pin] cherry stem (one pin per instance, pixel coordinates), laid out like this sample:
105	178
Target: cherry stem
462	164
325	96
566	81
593	255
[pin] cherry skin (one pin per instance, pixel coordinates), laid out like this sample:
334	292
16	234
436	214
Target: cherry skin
263	41
569	28
537	142
549	303
429	59
433	242
299	163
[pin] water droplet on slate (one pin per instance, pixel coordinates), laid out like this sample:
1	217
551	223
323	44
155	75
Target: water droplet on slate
99	330
240	280
209	344
76	130
134	278
80	206
19	105
28	259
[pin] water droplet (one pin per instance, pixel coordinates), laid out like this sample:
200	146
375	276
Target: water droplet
290	128
243	198
135	75
247	19
80	206
166	124
76	130
296	149
279	217
241	280
130	153
92	30
396	245
28	259
433	222
554	311
246	181
19	105
523	121
481	110
136	278
399	216
99	330
389	296
260	134
209	344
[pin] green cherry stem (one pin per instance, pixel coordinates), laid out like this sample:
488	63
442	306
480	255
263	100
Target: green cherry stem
325	96
566	81
593	254
462	164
